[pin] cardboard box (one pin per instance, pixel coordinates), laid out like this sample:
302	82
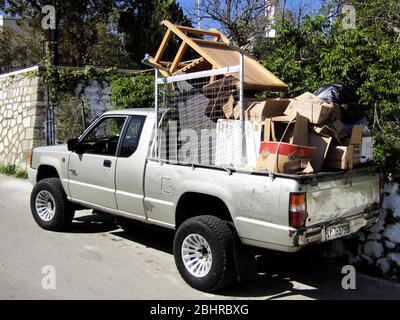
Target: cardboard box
322	146
276	156
309	97
294	131
278	129
315	112
236	112
267	130
295	166
267	109
356	134
300	131
228	142
337	126
310	106
339	157
259	110
355	142
228	107
324	130
366	149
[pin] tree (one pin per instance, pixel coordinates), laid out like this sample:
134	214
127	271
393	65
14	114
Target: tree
76	21
318	51
18	49
241	20
140	24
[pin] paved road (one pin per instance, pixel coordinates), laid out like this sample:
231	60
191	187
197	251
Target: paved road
97	260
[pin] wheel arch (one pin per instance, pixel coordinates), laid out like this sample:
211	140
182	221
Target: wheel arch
45	171
191	204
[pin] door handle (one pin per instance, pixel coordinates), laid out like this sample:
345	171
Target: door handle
107	163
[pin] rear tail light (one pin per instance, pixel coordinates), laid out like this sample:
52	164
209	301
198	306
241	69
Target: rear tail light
297	209
381	191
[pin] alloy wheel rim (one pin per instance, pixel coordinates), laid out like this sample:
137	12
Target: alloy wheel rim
196	255
45	205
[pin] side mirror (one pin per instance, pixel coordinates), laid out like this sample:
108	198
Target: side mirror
72	144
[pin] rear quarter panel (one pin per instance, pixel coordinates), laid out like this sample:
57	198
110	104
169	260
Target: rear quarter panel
258	204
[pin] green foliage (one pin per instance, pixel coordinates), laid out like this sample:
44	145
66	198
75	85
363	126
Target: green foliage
315	52
12	170
67	126
136	92
66	80
140	22
387	148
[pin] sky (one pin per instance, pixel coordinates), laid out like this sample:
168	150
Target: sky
190	5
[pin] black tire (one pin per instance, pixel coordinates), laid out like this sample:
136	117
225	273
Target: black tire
220	239
63	209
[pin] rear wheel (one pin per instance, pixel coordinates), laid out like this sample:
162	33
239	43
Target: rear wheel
203	253
50	206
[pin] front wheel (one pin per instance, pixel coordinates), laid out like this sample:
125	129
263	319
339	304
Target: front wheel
203	251
50	206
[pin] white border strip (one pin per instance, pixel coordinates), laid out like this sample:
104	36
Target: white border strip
14	73
200	74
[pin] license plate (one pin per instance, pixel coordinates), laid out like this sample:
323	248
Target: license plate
337	231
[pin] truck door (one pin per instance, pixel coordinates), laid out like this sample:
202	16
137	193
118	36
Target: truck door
91	170
130	166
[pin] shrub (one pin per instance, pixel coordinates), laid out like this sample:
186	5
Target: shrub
136	92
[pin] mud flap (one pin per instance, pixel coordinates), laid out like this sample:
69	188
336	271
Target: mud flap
245	261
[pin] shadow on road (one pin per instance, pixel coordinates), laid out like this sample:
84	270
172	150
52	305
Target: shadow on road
93	223
298	275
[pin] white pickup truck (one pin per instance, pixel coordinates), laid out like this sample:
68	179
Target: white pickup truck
218	213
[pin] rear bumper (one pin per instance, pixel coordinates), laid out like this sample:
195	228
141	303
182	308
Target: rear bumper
282	238
316	233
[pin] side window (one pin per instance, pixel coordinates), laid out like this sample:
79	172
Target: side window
131	138
103	138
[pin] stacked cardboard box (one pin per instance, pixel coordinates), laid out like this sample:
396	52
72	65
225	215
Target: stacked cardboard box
303	135
317	124
297	136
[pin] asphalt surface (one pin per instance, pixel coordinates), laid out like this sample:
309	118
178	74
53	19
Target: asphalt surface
97	260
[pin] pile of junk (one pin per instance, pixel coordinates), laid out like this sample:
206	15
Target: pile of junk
307	134
310	133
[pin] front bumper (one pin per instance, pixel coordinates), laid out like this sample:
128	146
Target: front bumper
32	175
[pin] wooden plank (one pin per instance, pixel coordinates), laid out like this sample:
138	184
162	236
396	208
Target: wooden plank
178	57
222	36
191	65
163	45
212	33
210	42
156	65
168	63
191	43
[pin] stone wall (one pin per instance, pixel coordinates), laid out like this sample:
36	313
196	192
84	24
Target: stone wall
376	250
22	117
23	112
